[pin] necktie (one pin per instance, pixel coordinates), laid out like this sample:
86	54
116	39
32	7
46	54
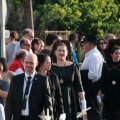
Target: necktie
26	93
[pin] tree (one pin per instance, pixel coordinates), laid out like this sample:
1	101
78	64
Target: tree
84	16
97	17
16	15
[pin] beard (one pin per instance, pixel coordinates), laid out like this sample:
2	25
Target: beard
29	69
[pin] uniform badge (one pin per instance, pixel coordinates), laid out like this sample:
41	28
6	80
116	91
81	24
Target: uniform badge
61	81
27	96
113	82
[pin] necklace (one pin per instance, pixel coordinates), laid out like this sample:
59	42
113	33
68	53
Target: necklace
61	73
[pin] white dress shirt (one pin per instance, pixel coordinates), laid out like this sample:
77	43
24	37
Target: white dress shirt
19	70
26	111
93	62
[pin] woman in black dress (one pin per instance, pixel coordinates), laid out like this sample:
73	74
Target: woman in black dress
111	85
57	101
70	82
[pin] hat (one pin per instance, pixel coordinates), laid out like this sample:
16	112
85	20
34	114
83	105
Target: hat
90	38
7	33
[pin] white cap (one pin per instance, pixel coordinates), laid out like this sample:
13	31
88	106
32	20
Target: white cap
7	33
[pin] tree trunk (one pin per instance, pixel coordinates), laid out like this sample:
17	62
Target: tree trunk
28	14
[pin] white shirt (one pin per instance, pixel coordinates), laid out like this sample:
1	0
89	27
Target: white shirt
26	111
17	47
2	113
93	62
19	70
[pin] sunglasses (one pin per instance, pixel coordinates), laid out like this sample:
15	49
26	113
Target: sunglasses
27	45
101	43
31	36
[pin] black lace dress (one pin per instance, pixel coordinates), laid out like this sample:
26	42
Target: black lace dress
70	86
111	90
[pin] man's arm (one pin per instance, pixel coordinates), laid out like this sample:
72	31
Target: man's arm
3	94
4	89
10	101
93	68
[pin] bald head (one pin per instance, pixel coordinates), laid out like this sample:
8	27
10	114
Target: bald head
109	37
31	62
21	53
25	44
29	34
31	56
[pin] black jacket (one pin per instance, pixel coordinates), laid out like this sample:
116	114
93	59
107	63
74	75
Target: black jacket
38	100
56	95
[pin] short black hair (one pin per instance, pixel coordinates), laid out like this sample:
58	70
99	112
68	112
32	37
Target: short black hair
73	36
21	42
50	38
4	63
46	51
41	59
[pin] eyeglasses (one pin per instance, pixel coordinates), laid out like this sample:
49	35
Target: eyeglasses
101	43
31	36
26	44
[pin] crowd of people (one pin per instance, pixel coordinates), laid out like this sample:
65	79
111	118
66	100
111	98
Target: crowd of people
37	77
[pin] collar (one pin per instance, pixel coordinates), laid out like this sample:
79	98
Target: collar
22	63
91	51
26	75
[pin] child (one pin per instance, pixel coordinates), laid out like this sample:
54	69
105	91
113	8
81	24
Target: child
4	87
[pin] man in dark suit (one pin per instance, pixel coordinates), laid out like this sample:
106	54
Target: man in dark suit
29	94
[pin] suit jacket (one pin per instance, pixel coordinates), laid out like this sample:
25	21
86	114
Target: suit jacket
39	98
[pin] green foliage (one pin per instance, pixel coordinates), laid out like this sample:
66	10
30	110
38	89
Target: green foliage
15	21
97	16
84	16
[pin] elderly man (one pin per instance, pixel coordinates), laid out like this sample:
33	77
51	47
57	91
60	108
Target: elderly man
25	44
109	37
17	65
29	94
27	34
90	73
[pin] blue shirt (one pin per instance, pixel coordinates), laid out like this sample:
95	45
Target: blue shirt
74	55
